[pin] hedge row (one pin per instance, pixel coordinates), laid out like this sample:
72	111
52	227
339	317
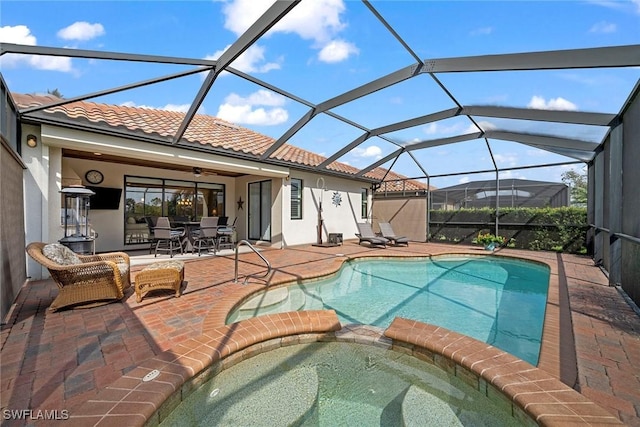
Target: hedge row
556	229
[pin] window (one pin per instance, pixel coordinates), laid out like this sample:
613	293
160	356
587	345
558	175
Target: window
365	207
148	198
296	198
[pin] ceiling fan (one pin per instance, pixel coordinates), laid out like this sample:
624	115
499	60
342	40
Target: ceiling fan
198	172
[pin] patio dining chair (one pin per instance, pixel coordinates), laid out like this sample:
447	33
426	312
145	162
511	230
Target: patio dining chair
366	234
387	232
226	235
168	239
151	225
206	236
83	280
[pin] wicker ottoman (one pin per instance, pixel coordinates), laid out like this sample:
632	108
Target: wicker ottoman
160	275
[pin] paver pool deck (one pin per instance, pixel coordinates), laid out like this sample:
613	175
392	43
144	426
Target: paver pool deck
57	361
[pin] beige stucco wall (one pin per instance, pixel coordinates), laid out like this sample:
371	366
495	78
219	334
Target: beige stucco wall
48	172
109	224
336	219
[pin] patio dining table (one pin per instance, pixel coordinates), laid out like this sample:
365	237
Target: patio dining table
189	228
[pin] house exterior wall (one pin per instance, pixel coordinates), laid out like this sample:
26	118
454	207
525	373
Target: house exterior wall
41	183
340	218
48	172
242	192
109	224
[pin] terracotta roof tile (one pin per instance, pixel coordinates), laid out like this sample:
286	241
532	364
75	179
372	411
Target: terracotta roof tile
203	129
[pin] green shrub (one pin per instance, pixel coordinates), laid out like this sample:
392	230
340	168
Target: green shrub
551	229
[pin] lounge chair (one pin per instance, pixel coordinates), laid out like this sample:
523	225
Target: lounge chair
366	234
83	280
387	232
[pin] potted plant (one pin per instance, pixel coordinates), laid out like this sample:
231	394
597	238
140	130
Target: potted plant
489	241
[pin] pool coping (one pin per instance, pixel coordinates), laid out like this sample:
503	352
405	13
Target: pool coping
132	402
533	396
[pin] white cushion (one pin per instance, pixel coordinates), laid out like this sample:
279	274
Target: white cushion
60	254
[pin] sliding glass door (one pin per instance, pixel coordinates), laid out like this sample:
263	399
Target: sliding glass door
146	199
260	211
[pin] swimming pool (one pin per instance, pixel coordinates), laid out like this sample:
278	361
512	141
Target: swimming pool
498	300
333	384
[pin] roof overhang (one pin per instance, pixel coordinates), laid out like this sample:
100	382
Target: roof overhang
170	154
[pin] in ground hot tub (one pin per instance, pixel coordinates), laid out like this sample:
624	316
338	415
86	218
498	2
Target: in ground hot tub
337	383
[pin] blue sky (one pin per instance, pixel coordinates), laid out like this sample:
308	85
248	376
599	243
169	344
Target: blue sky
325	47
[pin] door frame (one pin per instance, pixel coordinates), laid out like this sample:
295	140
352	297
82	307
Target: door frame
261	218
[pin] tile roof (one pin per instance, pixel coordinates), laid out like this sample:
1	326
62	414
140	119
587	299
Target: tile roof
203	129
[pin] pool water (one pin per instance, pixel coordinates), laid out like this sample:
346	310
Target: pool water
336	384
500	301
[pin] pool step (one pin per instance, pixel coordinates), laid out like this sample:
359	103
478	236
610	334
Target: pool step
266	299
421	408
278	300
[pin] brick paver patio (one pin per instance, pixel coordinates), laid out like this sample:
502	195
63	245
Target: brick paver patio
58	361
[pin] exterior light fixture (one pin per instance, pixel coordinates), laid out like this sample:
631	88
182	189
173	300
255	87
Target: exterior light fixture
197	172
32	140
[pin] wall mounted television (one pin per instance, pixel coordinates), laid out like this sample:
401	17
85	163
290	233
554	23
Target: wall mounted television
105	198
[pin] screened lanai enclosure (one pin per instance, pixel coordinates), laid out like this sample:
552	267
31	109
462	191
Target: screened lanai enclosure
437	113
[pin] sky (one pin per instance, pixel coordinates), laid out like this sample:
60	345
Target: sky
323	48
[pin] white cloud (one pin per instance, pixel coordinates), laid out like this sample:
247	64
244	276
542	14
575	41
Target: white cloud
603	27
81	31
261	97
464	180
482	31
539	103
484	125
512	175
440	129
242	110
621	6
51	63
21	34
318	21
371	151
506	159
336	51
251	60
245	114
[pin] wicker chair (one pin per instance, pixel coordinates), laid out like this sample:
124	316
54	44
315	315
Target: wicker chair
96	280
